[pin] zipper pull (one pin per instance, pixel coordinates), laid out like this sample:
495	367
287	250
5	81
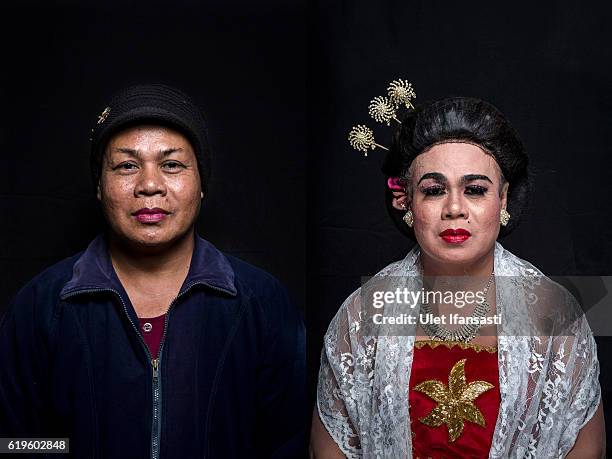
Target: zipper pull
154	364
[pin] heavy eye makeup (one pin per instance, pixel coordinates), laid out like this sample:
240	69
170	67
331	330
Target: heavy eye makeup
439	190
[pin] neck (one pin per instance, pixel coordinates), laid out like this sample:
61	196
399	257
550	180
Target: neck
480	267
169	260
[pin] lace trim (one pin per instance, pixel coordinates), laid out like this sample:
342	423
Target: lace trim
450	344
548	383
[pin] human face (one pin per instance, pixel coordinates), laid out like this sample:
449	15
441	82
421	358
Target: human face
456	186
144	168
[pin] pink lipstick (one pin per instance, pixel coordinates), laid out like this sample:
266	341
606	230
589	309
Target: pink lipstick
154	215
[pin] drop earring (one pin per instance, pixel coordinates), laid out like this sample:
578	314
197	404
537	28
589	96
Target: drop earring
408	218
504	217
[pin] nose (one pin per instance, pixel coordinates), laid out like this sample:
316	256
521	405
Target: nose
454	207
150	182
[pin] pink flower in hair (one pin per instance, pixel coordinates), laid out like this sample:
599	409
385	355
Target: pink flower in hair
395	184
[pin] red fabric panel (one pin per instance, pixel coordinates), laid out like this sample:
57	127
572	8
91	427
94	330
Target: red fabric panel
436	363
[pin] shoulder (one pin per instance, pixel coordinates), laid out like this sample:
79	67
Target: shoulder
232	273
521	272
551	301
383	279
513	266
252	279
267	299
39	297
509	264
355	313
263	292
50	281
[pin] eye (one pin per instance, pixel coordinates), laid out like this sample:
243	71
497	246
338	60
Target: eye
475	190
433	190
125	167
173	165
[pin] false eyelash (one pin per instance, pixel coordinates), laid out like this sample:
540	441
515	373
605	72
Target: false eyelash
174	163
432	190
474	190
477	190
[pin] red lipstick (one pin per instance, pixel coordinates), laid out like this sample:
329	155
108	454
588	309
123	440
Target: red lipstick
154	215
455	236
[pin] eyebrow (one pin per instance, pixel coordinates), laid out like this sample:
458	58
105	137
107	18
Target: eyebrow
442	178
136	153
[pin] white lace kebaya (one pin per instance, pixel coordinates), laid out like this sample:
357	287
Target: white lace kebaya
547	359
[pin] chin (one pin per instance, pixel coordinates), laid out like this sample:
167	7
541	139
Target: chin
161	238
153	242
454	256
450	253
151	238
460	253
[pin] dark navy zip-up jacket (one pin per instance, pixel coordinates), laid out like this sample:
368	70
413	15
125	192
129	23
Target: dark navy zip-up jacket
229	381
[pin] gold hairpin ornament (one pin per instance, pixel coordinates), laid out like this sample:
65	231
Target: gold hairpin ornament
401	92
383	110
361	138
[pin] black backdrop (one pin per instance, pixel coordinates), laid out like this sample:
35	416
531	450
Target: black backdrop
242	61
546	65
287	192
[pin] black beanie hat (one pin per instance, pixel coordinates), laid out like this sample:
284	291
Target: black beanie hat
156	104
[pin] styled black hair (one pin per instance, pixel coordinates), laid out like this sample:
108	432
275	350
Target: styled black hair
460	119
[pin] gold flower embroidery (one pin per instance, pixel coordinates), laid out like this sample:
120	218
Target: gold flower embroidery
455	403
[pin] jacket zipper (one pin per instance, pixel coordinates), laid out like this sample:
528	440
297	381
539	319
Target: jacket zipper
157	388
155	429
155	363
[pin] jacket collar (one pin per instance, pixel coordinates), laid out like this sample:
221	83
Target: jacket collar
94	270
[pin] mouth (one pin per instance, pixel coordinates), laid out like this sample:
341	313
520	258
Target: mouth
154	215
455	236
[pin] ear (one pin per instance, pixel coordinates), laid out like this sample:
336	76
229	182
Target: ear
400	200
398	188
99	192
504	195
201	195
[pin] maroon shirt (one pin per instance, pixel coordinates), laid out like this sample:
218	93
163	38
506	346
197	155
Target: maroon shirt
152	330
